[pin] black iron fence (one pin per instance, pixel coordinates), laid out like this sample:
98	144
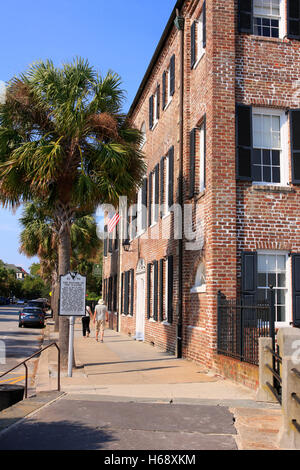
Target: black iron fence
239	327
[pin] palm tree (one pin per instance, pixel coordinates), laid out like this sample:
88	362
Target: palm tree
64	140
39	238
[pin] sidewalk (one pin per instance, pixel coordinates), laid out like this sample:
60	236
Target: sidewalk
129	395
124	370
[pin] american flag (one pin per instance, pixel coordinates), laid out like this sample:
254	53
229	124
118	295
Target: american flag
113	222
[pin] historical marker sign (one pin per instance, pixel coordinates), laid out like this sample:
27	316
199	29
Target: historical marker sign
72	295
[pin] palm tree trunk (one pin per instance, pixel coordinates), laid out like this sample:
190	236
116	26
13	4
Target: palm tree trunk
64	254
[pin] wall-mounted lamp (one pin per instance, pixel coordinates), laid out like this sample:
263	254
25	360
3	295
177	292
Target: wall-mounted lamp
126	245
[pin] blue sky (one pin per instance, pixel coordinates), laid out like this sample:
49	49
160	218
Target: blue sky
118	35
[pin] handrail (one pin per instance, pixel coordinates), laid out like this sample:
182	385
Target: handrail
279	358
296	372
26	368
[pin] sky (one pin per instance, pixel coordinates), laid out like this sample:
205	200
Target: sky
118	35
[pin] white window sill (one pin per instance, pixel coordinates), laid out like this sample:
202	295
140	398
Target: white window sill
166	323
151	320
272	187
199	59
138	235
168	103
154	224
198	290
154	125
165	216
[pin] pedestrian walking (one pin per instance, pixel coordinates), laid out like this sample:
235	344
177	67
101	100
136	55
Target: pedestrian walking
86	321
100	315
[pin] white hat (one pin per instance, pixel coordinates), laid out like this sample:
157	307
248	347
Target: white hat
101	302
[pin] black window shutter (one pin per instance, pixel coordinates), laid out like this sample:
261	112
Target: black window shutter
161	290
149	290
193	44
204	156
171	176
245	16
144	204
172	75
296	289
192	161
131	291
105	241
244	141
151	100
162	184
122	293
295	142
115	303
110	243
204	24
293	19
156	191
170	288
164	88
126	294
150	201
158	101
155	291
249	277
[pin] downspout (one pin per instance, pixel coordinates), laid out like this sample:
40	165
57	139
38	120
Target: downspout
179	23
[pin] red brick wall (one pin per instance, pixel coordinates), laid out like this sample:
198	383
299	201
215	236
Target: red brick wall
236	68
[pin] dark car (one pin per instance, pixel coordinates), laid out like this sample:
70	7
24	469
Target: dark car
38	304
32	316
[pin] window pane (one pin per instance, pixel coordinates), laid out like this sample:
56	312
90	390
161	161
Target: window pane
281	280
271	263
262	280
272	279
257	156
276	175
280	297
267	174
262	263
280	313
266	157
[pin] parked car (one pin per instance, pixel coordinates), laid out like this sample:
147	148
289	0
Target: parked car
38	304
31	316
21	302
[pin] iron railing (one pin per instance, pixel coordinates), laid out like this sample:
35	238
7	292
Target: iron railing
296	397
24	363
240	326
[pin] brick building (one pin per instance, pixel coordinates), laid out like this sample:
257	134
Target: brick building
219	108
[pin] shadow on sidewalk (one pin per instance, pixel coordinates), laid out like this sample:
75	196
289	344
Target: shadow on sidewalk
134	370
56	435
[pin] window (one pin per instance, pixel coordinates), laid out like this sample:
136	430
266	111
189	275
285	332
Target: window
139	213
269	159
154	202
200	280
198	38
267	18
272	270
144	137
165	203
202	157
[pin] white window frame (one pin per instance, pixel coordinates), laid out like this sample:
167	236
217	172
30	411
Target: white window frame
289	313
201	158
168	91
284	155
199	44
139	230
154	202
155	115
281	18
198	289
143	131
166	208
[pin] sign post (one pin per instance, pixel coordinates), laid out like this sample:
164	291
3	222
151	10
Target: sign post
72	304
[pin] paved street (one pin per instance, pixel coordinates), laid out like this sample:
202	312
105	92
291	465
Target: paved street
19	343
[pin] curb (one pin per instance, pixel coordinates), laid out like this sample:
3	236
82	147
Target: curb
26	408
